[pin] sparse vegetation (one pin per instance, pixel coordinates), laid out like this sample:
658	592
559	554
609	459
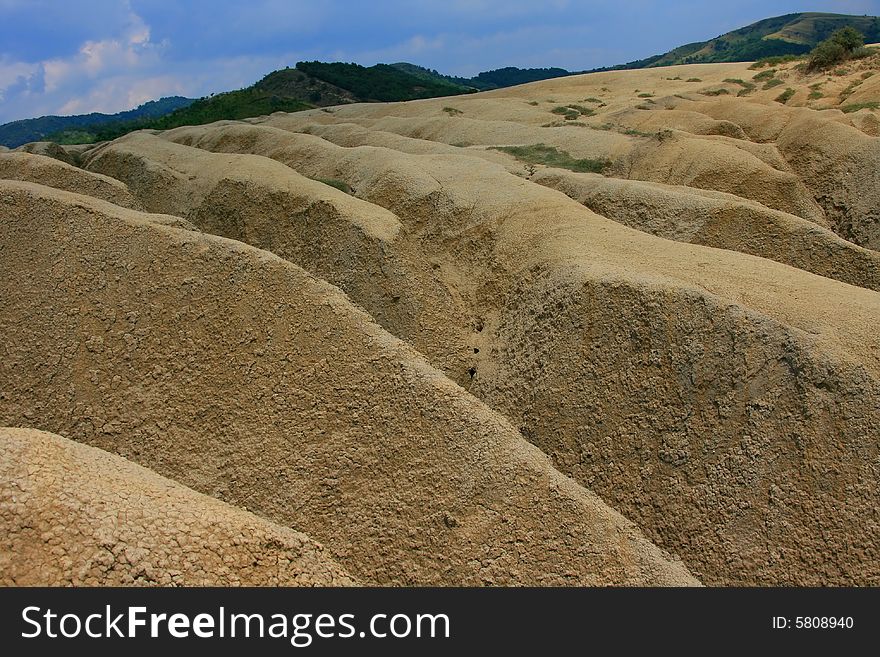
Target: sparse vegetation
694	80
815	92
452	111
341	185
747	87
775	61
566	112
565	124
785	96
773	82
552	157
855	107
533	102
847	92
715	92
572	112
646	95
764	75
592	100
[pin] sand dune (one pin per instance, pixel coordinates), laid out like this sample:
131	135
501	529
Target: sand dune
452	365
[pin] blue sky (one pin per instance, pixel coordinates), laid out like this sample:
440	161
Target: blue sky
71	57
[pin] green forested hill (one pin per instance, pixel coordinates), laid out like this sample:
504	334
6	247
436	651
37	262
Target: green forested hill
310	84
21	132
494	79
792	34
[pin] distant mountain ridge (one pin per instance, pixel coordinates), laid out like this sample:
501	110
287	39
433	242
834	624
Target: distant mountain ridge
508	76
791	34
308	84
321	84
20	132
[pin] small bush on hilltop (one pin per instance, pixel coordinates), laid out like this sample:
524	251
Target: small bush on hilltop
837	48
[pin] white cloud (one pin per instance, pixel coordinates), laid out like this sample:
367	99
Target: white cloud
107	75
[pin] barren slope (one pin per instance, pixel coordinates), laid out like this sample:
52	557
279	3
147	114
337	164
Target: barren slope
238	374
54	173
704	356
73	515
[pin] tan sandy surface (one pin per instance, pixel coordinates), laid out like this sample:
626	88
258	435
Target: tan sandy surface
472	369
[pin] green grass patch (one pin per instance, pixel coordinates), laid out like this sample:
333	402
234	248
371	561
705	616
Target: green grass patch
747	87
764	75
774	82
846	93
785	96
694	80
572	112
565	124
855	107
552	157
715	92
341	185
592	100
775	61
567	112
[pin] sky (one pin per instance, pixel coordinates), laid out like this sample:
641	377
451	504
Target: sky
76	56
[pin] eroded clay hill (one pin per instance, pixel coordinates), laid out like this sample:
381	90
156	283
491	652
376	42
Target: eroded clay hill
74	515
238	374
474	339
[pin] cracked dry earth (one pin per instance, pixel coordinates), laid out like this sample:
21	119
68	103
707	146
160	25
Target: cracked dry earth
469	370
